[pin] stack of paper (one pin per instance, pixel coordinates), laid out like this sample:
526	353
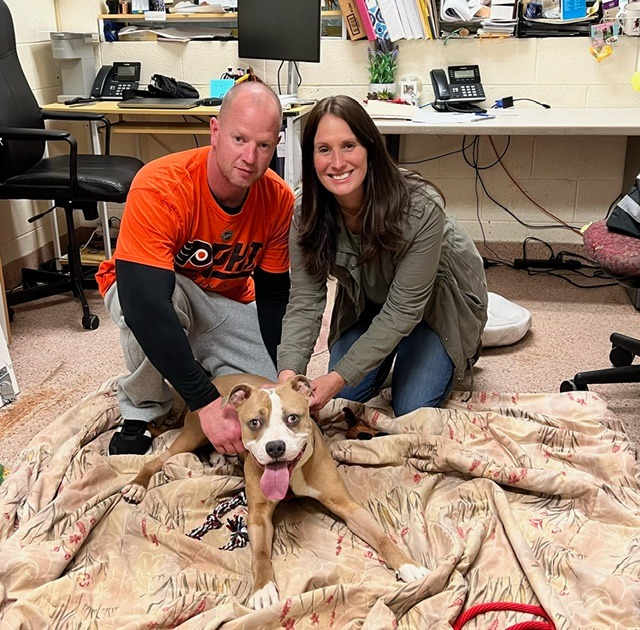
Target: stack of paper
190	7
463	10
502	21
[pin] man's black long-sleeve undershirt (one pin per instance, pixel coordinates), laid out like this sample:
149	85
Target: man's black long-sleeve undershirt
145	299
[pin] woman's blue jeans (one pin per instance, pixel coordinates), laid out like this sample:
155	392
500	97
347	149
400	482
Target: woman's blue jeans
422	375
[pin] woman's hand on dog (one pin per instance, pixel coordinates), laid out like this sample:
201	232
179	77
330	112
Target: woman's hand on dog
324	389
222	427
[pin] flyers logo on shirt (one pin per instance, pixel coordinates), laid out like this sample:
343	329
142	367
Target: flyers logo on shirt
219	260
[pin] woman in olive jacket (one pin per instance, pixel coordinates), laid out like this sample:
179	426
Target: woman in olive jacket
410	283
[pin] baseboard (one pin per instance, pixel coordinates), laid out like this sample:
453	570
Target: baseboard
13	270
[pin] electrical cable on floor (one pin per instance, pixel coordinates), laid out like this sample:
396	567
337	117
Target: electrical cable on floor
561	257
83	247
473	162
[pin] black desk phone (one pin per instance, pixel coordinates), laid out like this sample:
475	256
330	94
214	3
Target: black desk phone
459	93
112	81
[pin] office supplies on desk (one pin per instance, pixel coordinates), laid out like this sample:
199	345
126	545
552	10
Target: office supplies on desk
219	87
158	103
480	118
209	102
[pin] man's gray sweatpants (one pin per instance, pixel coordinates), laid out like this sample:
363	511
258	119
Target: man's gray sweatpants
224	336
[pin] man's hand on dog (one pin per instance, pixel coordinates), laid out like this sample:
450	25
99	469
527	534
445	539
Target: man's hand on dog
222	427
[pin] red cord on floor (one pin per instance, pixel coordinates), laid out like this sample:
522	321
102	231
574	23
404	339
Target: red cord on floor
480	609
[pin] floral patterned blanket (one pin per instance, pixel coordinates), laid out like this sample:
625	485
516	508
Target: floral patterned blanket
528	499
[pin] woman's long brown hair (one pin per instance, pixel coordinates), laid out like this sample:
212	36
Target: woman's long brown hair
386	192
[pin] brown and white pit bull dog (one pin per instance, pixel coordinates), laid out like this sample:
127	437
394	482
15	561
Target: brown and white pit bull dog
286	451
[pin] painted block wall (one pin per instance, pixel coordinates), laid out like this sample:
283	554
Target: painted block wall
575	178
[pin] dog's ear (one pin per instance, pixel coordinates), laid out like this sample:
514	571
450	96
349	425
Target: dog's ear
301	384
238	395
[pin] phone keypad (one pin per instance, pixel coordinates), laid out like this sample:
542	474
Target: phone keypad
467	91
116	90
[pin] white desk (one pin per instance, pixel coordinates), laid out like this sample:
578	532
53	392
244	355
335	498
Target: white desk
606	121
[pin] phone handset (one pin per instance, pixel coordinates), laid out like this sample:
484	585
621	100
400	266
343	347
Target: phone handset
100	80
440	85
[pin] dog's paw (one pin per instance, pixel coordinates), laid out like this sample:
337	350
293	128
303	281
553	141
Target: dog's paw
411	572
264	597
133	493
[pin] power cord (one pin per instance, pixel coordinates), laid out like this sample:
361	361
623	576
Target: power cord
508	101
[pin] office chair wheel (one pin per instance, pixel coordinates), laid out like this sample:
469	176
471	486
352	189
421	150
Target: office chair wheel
570	386
620	357
90	322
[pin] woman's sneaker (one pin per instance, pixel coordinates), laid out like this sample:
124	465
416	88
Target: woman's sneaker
132	438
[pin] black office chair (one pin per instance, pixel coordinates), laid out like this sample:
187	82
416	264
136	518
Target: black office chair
619	257
73	181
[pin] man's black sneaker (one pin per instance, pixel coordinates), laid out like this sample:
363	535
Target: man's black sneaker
132	438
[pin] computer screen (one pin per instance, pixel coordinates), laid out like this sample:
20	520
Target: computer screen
284	30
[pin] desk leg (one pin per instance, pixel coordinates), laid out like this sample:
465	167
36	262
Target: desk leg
631	163
392	141
103	213
289	138
5	327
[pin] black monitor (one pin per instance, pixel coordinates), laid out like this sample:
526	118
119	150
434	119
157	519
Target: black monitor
284	30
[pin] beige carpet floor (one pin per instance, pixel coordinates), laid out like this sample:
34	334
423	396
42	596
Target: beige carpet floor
57	362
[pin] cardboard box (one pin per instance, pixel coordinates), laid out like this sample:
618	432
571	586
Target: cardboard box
352	19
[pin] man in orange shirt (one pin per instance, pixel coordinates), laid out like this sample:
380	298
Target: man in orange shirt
199	281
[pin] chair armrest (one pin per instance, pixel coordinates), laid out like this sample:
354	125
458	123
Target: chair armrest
87	116
47	135
27	133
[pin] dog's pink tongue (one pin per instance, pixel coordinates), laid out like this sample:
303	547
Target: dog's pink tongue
275	480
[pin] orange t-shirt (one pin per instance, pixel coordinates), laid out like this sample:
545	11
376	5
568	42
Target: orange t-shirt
172	221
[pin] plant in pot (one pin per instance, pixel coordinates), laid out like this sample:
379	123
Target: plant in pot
383	63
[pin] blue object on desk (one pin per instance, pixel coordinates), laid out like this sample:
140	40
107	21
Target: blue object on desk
219	87
480	117
570	9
